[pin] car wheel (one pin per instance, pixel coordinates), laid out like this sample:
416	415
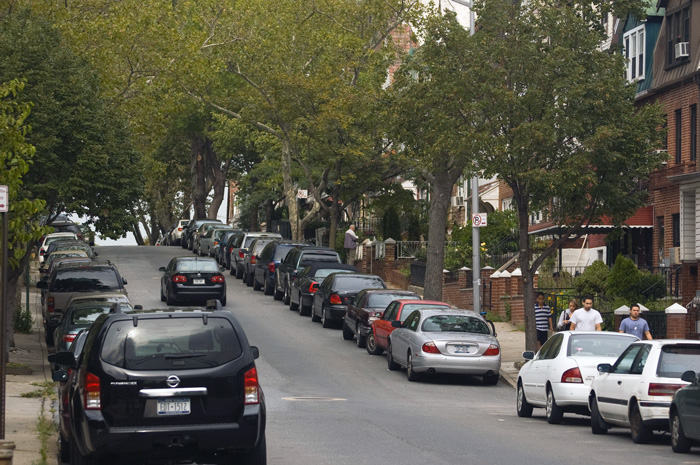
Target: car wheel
347	332
390	363
490	380
287	297
76	458
598	425
641	434
249	279
239	272
256	285
223	301
269	290
325	321
360	339
256	456
315	318
169	299
679	443
523	406
410	372
162	296
304	310
371	345
294	306
64	449
278	295
553	412
232	271
48	336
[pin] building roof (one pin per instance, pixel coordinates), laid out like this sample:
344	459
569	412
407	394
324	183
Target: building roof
643	218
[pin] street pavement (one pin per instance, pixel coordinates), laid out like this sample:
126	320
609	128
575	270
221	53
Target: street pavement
329	402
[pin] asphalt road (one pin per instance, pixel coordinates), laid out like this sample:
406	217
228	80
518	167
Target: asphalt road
329	402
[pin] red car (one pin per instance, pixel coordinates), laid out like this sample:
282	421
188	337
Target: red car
398	310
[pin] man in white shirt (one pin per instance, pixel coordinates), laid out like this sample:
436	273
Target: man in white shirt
586	318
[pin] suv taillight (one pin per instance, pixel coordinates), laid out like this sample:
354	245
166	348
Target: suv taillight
92	392
241	254
313	287
572	375
492	350
335	299
217	278
42	252
271	267
178	278
252	388
253	259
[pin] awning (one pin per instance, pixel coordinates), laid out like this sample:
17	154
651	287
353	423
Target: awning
642	219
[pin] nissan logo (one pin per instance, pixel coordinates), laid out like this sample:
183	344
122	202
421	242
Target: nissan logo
173	381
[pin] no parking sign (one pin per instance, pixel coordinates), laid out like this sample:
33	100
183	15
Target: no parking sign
479	220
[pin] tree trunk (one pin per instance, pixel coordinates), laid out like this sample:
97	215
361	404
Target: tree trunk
137	233
219	176
527	278
290	191
335	215
440	190
199	178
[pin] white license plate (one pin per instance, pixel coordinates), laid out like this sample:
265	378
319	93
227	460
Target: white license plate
198	281
174	406
461	349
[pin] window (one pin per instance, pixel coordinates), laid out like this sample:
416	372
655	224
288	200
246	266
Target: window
665	141
693	132
676	229
550	349
634	52
624	363
660	228
677	358
679	126
677	31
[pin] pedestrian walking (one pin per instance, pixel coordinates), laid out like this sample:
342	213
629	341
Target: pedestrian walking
586	318
635	325
564	322
350	244
543	322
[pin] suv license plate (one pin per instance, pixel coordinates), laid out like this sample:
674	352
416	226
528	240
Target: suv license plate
198	281
174	406
461	349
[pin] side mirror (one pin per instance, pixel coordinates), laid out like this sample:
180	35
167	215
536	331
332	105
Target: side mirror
529	355
688	376
124	281
65	359
60	376
604	368
396	324
162	268
255	351
42	284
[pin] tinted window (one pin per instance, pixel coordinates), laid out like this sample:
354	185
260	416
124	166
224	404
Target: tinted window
199	266
542	354
85	279
677	358
309	258
454	324
259	246
323	272
592	345
382	300
352	283
248	240
390	313
86	315
175	343
554	348
281	252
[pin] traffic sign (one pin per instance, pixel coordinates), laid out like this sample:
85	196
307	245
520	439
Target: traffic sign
4	199
302	194
479	220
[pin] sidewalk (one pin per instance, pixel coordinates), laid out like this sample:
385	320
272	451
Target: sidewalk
512	343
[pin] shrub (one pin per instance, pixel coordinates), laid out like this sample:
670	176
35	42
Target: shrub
592	281
651	286
23	320
391	224
623	280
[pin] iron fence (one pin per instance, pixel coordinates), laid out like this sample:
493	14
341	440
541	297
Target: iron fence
409	249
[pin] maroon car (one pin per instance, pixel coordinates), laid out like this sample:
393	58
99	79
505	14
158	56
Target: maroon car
367	307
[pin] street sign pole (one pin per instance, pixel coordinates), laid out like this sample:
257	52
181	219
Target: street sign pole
4	200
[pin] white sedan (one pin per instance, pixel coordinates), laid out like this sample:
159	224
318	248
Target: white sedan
558	378
636	391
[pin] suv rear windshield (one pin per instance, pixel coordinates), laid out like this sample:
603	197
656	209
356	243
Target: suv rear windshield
677	358
352	283
173	343
309	258
85	280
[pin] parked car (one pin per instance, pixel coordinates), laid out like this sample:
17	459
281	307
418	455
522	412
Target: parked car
88	234
444	341
165	386
367	307
636	391
204	239
227	250
78	316
193	233
49	238
294	262
175	236
684	414
398	310
558	378
307	281
267	262
71	279
191	278
220	245
239	249
216	237
190	228
336	292
63	224
44	268
251	259
70	245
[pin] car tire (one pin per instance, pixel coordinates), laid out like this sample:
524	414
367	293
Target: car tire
277	295
598	425
679	443
325	321
292	305
249	278
371	345
390	363
347	333
523	407
553	412
411	375
256	285
48	337
304	310
315	318
162	296
641	434
360	339
256	456
490	380
223	301
76	458
232	271
170	300
63	449
239	272
287	298
269	290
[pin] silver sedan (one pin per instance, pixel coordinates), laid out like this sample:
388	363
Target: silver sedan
444	341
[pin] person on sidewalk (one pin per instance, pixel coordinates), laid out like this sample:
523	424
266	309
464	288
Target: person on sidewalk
350	244
543	322
635	325
564	322
586	318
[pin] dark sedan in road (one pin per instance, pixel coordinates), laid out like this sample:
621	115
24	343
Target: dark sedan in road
190	278
301	296
684	414
367	307
337	291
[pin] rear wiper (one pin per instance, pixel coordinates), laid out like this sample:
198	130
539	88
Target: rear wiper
183	355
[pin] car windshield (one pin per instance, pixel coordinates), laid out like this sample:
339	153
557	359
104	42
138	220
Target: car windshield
678	358
594	345
86	315
197	266
85	280
175	343
454	324
323	272
382	300
356	283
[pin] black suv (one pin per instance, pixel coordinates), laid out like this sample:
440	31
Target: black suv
179	384
295	261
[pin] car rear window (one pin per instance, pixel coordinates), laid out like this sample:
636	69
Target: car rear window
173	343
357	283
323	272
382	300
281	252
678	358
197	266
593	345
49	240
409	308
85	280
454	324
86	315
309	258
